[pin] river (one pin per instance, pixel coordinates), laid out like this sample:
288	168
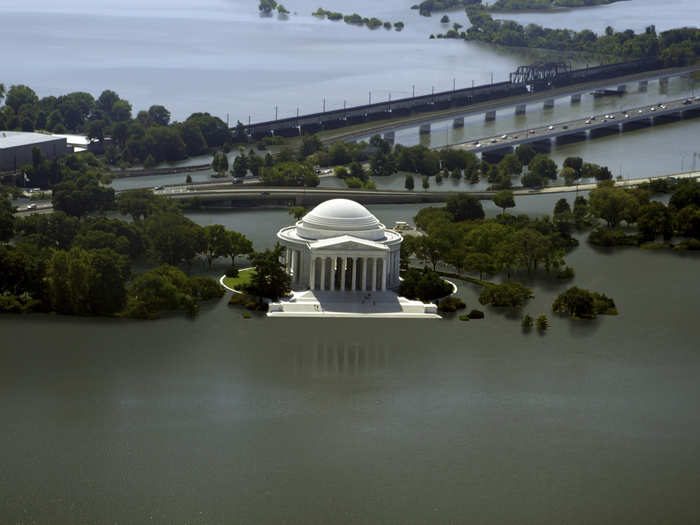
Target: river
220	419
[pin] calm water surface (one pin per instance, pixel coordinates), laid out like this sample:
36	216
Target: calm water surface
222	419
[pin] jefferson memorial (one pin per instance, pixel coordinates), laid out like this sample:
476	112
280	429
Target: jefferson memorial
342	261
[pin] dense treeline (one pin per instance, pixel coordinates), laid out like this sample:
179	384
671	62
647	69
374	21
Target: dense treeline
149	137
427	7
524	5
72	262
621	207
355	19
460	236
673	47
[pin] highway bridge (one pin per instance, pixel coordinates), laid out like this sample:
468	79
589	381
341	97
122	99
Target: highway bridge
541	138
225	195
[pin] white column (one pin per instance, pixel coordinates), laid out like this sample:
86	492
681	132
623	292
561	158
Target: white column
375	270
343	269
312	273
288	260
334	262
364	273
354	273
385	273
323	274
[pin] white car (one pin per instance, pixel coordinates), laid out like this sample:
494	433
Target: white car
550	128
31	206
587	121
504	137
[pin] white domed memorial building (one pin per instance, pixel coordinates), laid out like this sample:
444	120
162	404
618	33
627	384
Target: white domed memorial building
343	262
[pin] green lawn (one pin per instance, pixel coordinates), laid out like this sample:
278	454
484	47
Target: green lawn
244	277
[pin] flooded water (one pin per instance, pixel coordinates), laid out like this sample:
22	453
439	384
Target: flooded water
350	421
221	419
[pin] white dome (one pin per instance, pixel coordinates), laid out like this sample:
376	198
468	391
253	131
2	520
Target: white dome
337	217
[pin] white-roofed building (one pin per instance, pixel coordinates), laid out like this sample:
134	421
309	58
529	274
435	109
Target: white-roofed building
341	246
16	148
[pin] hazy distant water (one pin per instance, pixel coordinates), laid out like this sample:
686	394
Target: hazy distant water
221	56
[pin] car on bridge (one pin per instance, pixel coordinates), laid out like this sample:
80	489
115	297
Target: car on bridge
238	180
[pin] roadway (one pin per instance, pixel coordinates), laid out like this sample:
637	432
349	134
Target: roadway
312	196
582	126
365	130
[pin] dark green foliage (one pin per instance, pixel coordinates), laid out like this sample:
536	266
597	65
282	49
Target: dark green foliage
504	199
476	314
289	174
270	280
566	273
451	304
7	219
507	293
424	285
463	207
527	322
409	184
427	7
542	323
82	282
167	288
583	304
174	238
675	47
525	154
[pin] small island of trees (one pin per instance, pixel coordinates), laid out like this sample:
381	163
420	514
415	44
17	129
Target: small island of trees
355	19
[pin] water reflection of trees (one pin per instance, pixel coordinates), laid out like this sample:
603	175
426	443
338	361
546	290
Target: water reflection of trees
322	359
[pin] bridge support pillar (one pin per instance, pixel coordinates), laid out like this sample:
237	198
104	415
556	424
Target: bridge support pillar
424	129
520	109
576	98
663	83
643	85
458	122
491	115
389	136
622	88
548	104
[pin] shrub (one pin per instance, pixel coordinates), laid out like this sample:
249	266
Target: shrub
464	317
542	323
232	272
566	273
476	314
451	304
527	322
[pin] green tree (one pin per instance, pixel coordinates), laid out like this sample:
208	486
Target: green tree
270	279
158	115
613	205
464	207
655	219
7	220
19	95
121	111
297	212
240	166
217	242
426	182
289	174
165	144
504	199
543	167
310	144
220	163
525	154
409	184
174	238
240	245
575	163
267	6
507	293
